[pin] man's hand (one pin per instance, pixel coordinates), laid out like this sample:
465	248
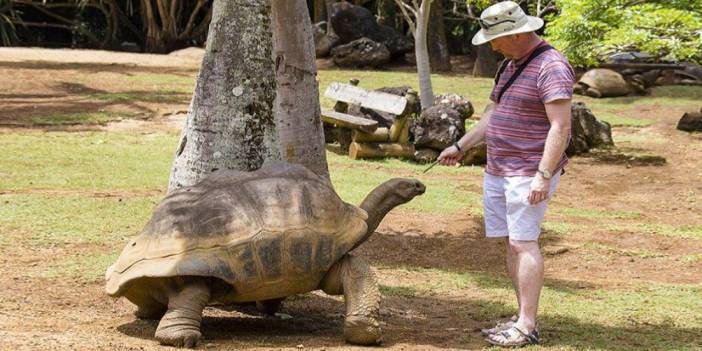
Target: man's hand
539	189
450	156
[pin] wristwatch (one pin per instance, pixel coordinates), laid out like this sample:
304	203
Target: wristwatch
545	173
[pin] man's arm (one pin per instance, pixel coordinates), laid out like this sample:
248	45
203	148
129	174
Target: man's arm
558	113
451	154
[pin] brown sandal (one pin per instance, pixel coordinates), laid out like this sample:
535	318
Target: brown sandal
513	337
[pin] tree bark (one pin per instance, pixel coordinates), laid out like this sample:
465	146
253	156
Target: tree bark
486	62
388	15
230	122
426	94
439	56
297	110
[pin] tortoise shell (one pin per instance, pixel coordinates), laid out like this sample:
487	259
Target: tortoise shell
606	81
267	234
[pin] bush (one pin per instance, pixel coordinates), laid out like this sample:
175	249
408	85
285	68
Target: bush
587	31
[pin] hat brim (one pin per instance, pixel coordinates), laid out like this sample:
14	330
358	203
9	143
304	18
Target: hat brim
533	24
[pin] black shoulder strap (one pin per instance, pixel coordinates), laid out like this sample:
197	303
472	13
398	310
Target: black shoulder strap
534	54
503	66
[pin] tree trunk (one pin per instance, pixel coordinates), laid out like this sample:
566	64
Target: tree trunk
439	56
426	95
319	8
388	15
486	61
297	111
230	122
329	6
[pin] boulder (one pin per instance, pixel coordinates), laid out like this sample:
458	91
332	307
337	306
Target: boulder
362	52
456	102
323	41
350	22
477	155
426	155
586	131
691	122
437	127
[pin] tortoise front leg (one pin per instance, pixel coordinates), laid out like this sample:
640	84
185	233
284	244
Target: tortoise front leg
180	326
353	277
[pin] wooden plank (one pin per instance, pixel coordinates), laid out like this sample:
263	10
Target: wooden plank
349	121
380	135
375	150
369	99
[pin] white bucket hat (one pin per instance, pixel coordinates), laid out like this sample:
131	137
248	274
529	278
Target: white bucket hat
504	18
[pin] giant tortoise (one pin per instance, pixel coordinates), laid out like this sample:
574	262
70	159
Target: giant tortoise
602	82
260	236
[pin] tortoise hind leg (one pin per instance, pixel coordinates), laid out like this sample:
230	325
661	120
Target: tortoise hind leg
353	277
151	310
269	307
180	326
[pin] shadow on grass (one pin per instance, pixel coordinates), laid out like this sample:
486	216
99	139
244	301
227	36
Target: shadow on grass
77	104
317	321
119	68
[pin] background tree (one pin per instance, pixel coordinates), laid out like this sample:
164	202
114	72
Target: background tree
417	16
297	110
230	123
439	56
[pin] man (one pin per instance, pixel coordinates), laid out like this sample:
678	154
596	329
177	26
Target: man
527	130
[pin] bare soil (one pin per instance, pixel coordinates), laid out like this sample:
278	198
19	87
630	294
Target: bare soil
61	314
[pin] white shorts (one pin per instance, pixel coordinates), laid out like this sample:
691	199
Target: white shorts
507	209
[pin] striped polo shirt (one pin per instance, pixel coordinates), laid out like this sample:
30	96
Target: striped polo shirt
516	132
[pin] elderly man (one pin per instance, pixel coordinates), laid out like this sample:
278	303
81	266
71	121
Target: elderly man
527	130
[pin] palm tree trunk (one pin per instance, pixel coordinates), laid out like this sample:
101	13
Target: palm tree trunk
297	111
230	122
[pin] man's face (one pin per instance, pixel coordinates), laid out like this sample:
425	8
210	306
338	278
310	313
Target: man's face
505	45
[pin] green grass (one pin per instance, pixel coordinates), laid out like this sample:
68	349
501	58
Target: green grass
49	219
616	120
624	252
85	118
94	161
160	96
595	213
89	268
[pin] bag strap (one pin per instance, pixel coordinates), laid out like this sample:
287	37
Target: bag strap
534	54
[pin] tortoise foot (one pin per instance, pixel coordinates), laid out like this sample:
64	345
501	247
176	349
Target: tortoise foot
179	336
362	331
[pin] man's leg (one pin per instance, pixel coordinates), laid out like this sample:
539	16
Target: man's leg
512	270
529	273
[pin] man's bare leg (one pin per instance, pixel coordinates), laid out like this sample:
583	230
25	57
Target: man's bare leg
512	270
529	273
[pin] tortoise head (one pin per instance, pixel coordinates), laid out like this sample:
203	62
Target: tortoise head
385	197
402	189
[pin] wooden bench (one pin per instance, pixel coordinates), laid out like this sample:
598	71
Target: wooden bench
362	137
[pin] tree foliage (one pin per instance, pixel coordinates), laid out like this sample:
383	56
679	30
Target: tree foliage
587	31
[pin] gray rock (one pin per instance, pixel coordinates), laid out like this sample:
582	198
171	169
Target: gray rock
361	53
691	122
352	22
587	132
456	102
438	127
426	155
477	155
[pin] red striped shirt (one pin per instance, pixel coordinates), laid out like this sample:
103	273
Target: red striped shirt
518	126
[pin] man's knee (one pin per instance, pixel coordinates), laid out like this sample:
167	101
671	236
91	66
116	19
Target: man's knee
517	247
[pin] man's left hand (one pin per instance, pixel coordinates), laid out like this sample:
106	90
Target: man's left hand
539	189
